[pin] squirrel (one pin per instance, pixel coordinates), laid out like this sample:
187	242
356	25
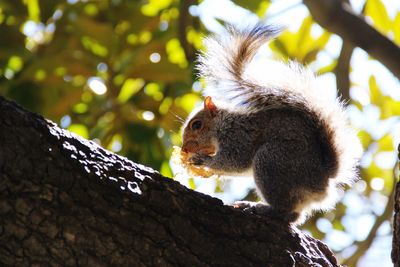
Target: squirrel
272	122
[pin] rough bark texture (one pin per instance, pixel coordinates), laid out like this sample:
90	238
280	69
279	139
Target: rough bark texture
396	225
337	17
65	201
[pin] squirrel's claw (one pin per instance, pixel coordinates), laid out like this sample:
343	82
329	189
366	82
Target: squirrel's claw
265	210
251	207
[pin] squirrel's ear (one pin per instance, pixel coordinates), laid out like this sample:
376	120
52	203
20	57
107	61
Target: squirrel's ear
210	106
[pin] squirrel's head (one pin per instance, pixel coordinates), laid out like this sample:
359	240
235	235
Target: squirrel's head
198	135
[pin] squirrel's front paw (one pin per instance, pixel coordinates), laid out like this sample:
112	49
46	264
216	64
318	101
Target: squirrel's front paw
257	208
265	210
251	207
199	159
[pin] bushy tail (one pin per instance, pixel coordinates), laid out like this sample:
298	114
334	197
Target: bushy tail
226	58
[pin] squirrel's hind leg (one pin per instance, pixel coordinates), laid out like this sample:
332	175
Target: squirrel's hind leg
288	176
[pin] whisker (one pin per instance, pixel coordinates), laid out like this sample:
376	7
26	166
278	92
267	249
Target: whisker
177	117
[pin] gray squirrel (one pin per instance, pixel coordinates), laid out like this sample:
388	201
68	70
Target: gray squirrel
272	122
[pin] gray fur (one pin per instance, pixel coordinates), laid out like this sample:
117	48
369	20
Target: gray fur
284	149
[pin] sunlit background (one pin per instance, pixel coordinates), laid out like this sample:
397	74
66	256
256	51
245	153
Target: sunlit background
121	73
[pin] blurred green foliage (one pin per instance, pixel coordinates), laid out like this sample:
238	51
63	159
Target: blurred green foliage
113	71
120	72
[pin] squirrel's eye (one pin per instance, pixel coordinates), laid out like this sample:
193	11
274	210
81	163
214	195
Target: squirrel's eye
196	125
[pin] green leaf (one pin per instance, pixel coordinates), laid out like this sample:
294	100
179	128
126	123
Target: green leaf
115	144
160	72
375	171
304	38
129	88
375	92
328	68
376	10
175	53
386	143
301	45
99	33
33	9
257	7
188	101
94	46
357	104
166	169
396	28
219	186
262	8
310	56
154	90
252	5
80	108
337	225
153	7
165	105
389	108
321	42
15	63
79	129
192	184
365	138
279	45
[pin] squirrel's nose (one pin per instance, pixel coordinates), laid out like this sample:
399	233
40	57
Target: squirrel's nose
190	146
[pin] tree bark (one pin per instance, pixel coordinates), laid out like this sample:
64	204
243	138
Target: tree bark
337	17
65	201
342	71
396	224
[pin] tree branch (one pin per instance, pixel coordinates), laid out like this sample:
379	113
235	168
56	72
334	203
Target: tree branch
338	18
342	71
396	223
362	246
183	22
66	201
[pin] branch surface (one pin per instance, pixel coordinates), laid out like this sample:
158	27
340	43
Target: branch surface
65	201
